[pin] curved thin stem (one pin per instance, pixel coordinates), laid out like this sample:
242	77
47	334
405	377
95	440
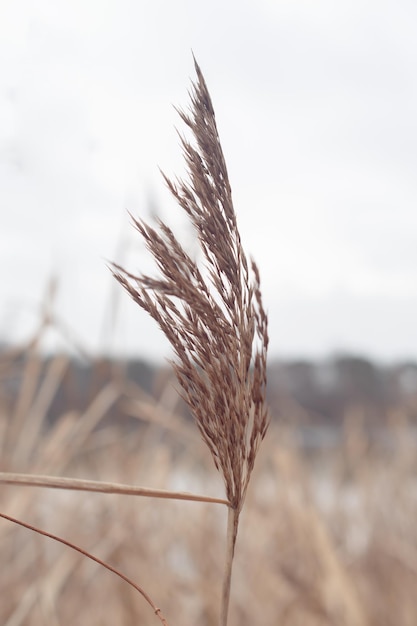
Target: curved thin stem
130	582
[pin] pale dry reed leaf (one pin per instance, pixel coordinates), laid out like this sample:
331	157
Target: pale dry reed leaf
54	373
77	484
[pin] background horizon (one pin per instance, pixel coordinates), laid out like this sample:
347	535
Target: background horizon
316	113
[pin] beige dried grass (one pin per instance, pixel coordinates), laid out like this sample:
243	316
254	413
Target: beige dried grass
216	324
284	572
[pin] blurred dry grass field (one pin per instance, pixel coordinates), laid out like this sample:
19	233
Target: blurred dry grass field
327	538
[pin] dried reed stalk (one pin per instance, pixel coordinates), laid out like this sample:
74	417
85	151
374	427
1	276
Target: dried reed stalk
77	484
213	318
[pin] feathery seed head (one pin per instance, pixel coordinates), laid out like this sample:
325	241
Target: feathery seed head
216	325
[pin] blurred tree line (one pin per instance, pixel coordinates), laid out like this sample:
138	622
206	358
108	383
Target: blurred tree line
324	391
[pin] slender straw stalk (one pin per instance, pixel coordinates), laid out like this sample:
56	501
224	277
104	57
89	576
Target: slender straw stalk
213	316
232	521
78	484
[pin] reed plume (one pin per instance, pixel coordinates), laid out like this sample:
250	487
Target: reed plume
213	316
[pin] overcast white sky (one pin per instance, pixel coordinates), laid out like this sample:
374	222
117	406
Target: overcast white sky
316	105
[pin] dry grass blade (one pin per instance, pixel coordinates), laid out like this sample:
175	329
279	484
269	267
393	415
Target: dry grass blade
214	317
77	484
